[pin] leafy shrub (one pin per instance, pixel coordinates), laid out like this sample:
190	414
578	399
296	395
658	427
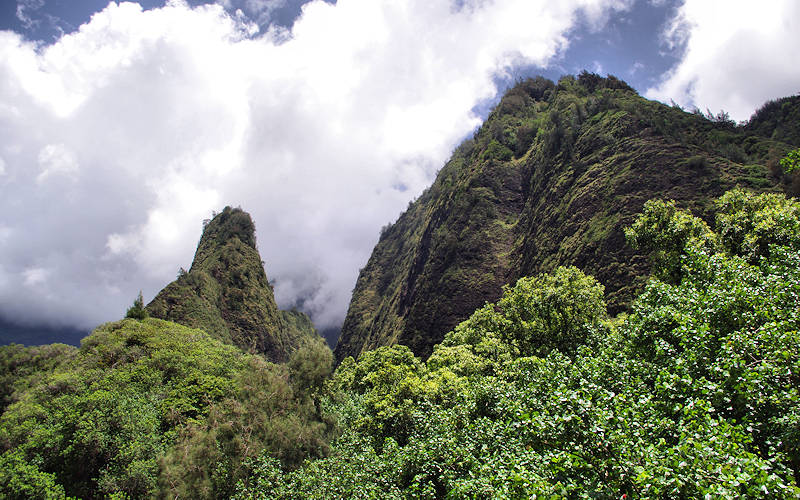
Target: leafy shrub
22	479
665	231
551	311
310	365
791	161
137	310
22	367
497	151
748	224
141	399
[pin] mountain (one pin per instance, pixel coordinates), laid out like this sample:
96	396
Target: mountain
227	294
551	178
778	119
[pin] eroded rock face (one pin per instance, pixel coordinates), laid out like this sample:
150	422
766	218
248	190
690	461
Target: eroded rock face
227	294
552	178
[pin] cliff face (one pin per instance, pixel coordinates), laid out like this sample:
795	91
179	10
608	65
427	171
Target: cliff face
552	178
227	294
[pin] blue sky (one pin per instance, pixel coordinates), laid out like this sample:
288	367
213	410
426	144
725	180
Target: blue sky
124	125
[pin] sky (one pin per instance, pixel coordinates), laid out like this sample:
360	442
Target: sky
124	125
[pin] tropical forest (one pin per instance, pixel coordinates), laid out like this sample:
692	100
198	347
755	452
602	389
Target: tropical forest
597	297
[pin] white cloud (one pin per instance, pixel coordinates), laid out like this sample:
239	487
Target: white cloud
56	159
124	135
637	67
260	11
35	276
737	54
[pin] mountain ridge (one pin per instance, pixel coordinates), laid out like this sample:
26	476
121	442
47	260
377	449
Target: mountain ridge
551	178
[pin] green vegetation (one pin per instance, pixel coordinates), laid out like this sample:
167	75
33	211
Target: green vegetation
226	292
137	310
551	179
778	119
451	382
22	366
150	407
664	231
693	394
792	161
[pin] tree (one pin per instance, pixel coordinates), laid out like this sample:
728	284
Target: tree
551	311
137	310
791	161
748	224
310	365
665	232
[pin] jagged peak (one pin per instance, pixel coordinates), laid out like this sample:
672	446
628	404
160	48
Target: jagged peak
226	292
231	223
551	178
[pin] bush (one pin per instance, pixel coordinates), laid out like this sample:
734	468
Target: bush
310	365
748	224
665	232
137	310
791	161
550	311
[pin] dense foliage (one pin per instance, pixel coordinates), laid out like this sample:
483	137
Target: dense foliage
137	310
147	407
21	366
791	162
778	119
693	394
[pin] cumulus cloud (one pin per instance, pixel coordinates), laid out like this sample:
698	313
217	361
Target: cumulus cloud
56	159
260	11
736	55
120	138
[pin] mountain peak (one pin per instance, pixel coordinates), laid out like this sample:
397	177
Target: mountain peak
225	226
227	294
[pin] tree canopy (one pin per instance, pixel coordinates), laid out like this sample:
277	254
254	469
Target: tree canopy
692	394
